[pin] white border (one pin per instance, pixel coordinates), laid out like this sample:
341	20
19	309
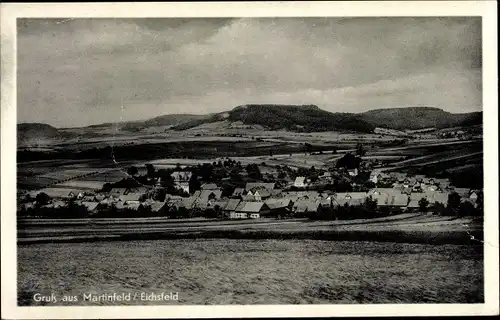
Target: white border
9	13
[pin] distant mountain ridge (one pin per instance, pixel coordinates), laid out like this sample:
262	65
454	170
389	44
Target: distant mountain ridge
302	118
414	118
306	118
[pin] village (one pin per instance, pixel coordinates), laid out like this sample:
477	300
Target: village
226	189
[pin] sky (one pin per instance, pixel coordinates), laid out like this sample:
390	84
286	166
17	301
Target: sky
77	72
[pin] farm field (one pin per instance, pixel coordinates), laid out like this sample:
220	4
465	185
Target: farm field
418	228
83	174
225	271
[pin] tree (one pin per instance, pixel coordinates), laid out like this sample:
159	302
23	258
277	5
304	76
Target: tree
371	204
194	183
422	204
349	161
466	209
132	171
150	170
360	151
453	203
107	187
42	198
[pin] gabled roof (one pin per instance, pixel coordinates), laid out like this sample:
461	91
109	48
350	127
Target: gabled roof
389	191
462	191
261	192
306	206
251	207
299	180
248	197
400	200
117	191
133	206
221	204
131	196
276	192
232	204
209	186
205	195
413	204
91	206
441	197
251	185
188	202
181	175
278	203
419	195
59	204
157	206
383	199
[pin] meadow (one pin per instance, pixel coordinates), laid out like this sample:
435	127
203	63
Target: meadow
225	271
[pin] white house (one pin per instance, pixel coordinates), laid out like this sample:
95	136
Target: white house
353	172
300	182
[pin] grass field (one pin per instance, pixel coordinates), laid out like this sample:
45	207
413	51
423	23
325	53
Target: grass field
255	271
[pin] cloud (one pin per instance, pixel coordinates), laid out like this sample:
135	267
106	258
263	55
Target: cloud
76	72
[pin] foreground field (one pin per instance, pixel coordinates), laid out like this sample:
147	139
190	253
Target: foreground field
254	271
406	228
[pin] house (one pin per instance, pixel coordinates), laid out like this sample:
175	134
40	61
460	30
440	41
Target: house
238	192
181	176
374	176
184	186
443	183
260	194
188	202
157	206
276	193
326	177
419	177
131	197
300	182
231	206
304	195
91	206
248	197
209	186
400	201
406	190
352	172
207	195
59	204
379	191
474	195
251	185
134	206
463	192
217	205
279	207
181	179
383	199
250	209
305	206
398	176
440	197
117	192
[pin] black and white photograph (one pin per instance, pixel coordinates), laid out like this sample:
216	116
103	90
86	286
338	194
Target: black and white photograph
249	160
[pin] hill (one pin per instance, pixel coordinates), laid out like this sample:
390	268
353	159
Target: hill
32	133
305	118
419	117
160	121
